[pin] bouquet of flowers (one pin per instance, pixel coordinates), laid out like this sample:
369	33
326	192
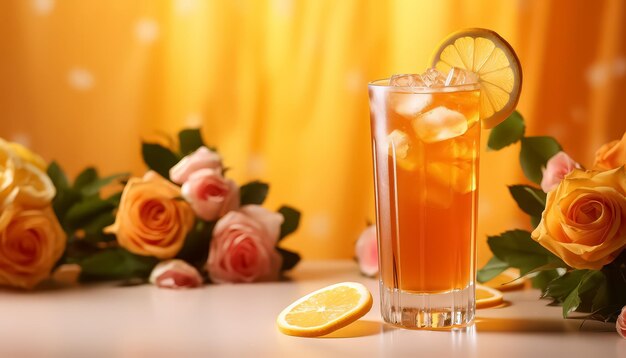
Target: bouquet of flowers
575	252
181	224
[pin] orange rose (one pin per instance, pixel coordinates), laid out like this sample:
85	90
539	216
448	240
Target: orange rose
152	219
611	155
584	222
31	242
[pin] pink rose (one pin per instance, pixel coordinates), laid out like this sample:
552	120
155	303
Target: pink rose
203	157
210	194
367	252
243	246
557	168
175	274
620	325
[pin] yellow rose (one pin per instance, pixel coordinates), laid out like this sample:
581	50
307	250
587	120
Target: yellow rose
22	182
611	155
152	219
28	156
584	222
31	242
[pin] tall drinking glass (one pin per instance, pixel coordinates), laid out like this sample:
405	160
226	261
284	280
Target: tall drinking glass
425	144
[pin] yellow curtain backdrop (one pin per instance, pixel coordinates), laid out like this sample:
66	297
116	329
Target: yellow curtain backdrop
280	87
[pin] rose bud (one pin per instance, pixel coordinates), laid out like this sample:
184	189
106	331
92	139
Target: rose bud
620	325
175	274
210	195
611	155
202	158
366	251
556	169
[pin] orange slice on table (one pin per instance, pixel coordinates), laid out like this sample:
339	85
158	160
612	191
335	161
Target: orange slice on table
487	297
487	54
325	310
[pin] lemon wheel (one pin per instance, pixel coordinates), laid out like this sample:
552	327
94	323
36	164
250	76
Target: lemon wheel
325	310
487	54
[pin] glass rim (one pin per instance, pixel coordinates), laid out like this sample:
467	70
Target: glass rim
384	83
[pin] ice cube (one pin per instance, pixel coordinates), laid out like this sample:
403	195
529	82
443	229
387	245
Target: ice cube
410	104
406	80
445	179
398	141
433	78
439	124
430	78
457	76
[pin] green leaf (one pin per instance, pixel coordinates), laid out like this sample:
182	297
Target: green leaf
85	177
547	267
57	176
290	259
116	264
115	198
601	297
158	158
254	193
535	220
591	280
543	278
94	187
493	268
93	228
196	247
82	211
531	200
291	222
535	153
559	288
63	201
571	303
520	251
190	140
507	132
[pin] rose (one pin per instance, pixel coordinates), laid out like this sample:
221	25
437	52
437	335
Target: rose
7	174
584	222
557	167
367	251
175	274
243	246
152	220
202	158
22	182
620	325
27	155
611	155
210	195
31	242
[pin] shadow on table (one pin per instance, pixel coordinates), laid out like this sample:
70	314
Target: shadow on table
360	328
535	325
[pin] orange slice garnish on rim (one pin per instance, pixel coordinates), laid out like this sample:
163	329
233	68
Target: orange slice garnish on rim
487	54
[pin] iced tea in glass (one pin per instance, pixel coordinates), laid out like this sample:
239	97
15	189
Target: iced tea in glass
425	143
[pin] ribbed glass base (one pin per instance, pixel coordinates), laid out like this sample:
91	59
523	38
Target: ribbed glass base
445	310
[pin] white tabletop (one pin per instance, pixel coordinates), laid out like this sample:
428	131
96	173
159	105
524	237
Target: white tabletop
238	321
